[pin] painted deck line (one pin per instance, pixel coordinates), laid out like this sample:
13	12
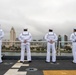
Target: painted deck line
59	72
13	71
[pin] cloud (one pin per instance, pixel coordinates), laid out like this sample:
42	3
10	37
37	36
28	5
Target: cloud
38	16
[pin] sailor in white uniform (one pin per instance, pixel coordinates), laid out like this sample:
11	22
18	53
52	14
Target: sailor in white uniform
1	36
73	39
51	38
25	38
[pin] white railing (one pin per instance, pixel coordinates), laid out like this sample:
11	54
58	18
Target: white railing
37	44
63	44
18	42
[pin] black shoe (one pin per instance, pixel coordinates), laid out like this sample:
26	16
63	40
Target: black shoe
54	62
21	61
29	61
47	62
73	62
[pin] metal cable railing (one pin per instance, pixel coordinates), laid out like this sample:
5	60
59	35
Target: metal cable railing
63	47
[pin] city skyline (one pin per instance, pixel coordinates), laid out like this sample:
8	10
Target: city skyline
38	16
14	37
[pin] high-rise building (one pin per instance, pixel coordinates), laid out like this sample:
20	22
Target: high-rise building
65	39
12	36
59	39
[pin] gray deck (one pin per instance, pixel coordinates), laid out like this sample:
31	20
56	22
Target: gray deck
63	63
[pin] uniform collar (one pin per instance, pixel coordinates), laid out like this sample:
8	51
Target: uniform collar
50	33
25	33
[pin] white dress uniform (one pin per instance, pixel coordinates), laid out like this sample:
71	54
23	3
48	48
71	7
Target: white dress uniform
25	35
1	36
48	37
73	39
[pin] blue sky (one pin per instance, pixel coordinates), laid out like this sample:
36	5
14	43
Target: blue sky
38	16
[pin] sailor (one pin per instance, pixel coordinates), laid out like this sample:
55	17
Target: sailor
51	38
25	38
1	37
73	39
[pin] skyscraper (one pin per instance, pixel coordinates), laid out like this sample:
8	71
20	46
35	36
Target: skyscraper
59	39
65	39
12	36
